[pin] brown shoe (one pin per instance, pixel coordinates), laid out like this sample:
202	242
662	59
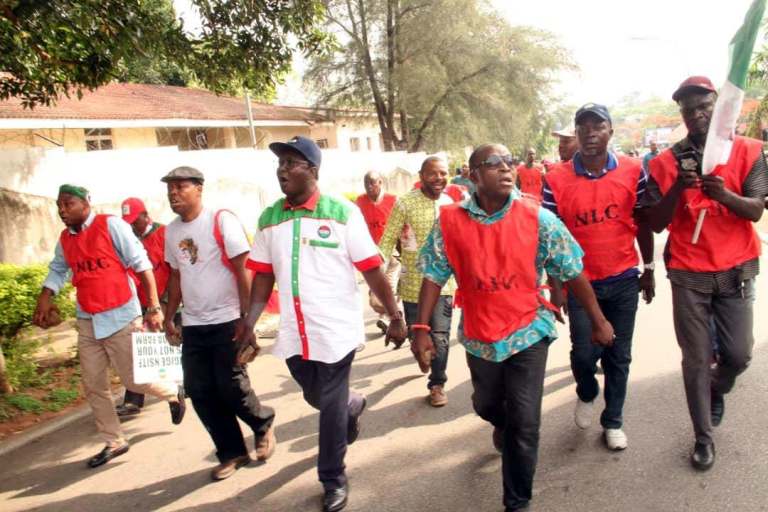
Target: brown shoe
228	468
437	397
265	445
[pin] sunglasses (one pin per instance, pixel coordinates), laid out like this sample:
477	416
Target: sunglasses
496	160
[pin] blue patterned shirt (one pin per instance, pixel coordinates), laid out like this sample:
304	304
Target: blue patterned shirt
558	253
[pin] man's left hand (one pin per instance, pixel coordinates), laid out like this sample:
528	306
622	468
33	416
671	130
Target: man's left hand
714	187
154	320
648	285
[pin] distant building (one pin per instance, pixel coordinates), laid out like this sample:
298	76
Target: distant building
133	116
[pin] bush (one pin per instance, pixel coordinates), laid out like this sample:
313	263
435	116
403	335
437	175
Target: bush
20	286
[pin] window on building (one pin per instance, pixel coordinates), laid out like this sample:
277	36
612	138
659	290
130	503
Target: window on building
322	143
369	140
97	139
354	143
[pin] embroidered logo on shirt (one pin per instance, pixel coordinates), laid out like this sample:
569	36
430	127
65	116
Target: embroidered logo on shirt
323	231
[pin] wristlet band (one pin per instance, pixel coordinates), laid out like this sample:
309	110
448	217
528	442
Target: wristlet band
421	326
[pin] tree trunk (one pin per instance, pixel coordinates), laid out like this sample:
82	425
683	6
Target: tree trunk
5	386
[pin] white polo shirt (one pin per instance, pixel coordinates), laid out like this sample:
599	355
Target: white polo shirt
313	251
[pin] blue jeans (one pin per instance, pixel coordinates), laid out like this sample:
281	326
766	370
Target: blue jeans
440	325
618	300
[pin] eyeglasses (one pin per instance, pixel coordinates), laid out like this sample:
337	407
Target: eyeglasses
290	162
496	160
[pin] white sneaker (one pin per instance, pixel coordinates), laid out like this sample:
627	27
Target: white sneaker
582	415
615	438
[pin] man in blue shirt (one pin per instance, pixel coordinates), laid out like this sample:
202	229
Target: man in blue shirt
653	153
104	334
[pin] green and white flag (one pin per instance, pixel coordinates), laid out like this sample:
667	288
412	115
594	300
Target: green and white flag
731	97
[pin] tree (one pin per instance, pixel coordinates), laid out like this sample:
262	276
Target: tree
61	46
439	73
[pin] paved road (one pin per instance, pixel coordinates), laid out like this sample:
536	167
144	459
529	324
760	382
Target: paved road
411	457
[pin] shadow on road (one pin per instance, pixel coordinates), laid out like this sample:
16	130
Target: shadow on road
451	466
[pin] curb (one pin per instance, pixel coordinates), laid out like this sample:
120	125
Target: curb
33	434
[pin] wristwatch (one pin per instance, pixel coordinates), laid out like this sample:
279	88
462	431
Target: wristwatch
154	309
649	266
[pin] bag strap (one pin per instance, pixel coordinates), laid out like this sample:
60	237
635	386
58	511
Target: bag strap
220	239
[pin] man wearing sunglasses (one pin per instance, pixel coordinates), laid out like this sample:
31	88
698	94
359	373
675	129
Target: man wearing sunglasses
596	195
506	326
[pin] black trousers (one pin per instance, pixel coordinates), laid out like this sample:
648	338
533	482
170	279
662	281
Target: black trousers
508	395
220	389
326	388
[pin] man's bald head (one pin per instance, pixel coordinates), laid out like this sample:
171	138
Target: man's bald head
372	183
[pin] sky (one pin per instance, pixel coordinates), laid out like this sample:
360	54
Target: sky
624	46
620	47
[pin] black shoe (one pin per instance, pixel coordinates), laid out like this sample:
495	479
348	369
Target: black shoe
718	408
335	499
382	325
178	408
107	454
353	424
703	456
127	409
498	439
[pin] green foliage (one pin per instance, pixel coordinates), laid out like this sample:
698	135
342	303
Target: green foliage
54	48
25	403
20	286
21	368
469	78
57	399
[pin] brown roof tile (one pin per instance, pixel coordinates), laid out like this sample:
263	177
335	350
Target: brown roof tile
144	101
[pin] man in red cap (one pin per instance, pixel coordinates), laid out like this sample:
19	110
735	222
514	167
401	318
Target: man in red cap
152	236
713	279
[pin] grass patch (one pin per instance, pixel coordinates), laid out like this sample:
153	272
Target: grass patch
57	399
25	403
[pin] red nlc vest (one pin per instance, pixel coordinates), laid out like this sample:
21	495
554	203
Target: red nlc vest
530	180
154	244
495	268
726	240
598	213
98	274
376	215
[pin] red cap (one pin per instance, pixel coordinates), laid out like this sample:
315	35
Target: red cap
132	208
694	82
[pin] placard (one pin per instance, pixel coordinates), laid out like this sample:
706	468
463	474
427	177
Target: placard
154	360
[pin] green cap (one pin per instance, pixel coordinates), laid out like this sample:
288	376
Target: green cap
74	190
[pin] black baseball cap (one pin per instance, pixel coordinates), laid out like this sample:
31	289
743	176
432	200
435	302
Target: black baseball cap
304	146
600	111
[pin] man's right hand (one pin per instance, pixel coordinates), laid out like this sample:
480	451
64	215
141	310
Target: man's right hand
42	310
423	349
687	179
602	333
172	333
558	299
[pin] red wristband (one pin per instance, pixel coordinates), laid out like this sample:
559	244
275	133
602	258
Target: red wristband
421	326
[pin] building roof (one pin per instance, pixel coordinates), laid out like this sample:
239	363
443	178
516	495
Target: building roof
156	105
